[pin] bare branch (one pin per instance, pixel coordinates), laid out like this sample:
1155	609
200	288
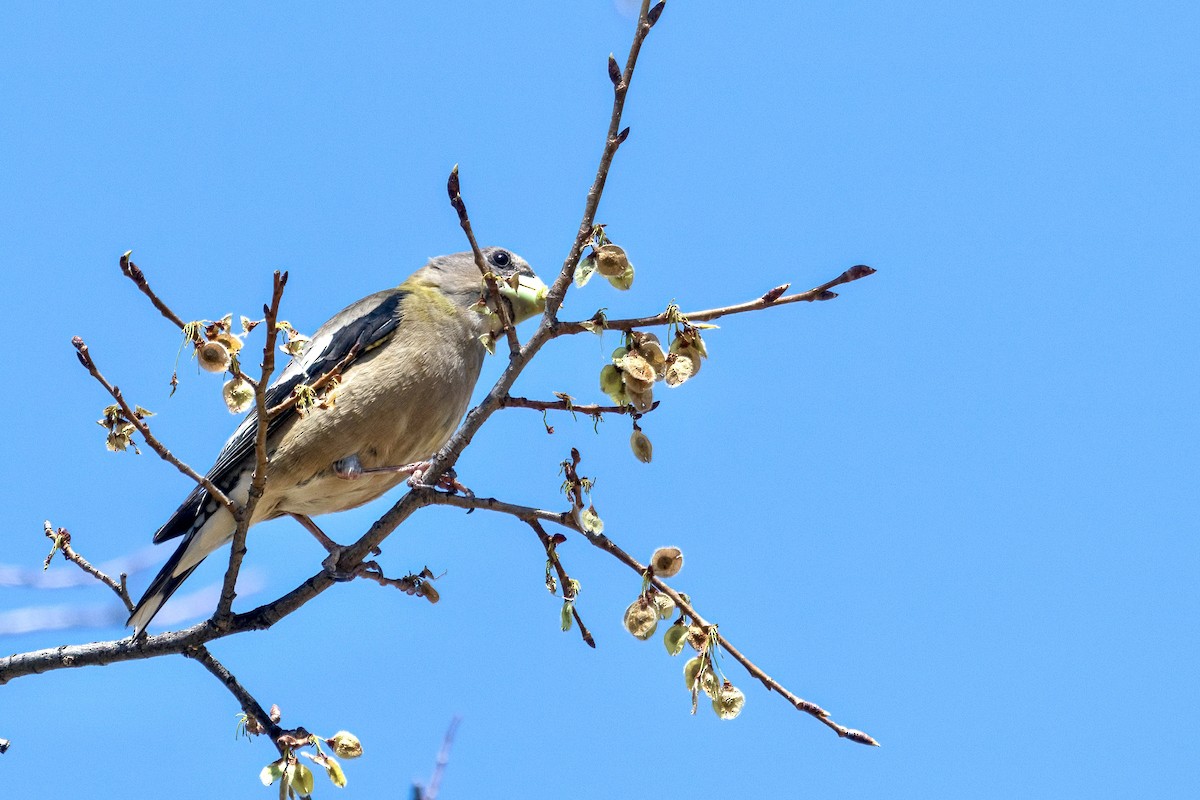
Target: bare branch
567	520
85	358
769	300
453	188
131	271
430	792
249	705
564	580
62	541
258	481
563	405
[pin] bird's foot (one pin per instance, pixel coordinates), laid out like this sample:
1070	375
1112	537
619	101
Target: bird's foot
448	482
335	550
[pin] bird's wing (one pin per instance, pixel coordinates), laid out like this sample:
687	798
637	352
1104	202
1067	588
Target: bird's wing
363	325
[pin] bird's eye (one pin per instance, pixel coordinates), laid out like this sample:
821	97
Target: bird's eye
501	258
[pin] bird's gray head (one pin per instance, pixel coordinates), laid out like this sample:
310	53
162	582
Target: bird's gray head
457	276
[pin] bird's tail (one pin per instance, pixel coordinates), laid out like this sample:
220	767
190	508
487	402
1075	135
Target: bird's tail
207	534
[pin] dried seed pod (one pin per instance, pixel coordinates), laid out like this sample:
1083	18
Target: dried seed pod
728	701
232	343
663	605
636	385
633	364
667	561
611	260
655	357
641	401
641	618
213	356
641	446
679	370
697	638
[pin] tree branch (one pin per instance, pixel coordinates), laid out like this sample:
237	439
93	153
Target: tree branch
249	705
62	541
85	358
564	580
493	289
258	481
768	300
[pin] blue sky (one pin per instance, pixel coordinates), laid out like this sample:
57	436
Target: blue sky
956	506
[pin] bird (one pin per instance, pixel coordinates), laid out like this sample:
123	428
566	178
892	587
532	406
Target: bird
413	354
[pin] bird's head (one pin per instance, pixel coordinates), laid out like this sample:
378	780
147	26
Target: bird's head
458	277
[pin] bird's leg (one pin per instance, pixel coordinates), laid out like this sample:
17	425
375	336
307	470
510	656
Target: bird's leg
351	468
334	549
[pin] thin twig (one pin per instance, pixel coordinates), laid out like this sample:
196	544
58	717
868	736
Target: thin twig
612	141
562	405
131	271
258	481
430	792
568	588
766	301
567	520
249	705
85	358
334	373
62	541
453	188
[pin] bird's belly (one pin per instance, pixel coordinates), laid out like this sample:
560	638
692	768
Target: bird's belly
327	493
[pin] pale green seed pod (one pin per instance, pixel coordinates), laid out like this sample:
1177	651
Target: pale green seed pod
345	744
624	281
675	638
728	701
611	382
238	394
664	606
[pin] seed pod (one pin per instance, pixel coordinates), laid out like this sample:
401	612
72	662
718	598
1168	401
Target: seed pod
636	385
641	618
664	606
232	343
345	744
675	638
636	366
641	446
623	281
213	356
697	638
655	357
679	370
610	381
728	701
611	260
238	394
667	561
641	401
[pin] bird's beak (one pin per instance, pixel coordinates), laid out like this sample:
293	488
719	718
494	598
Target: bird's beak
527	298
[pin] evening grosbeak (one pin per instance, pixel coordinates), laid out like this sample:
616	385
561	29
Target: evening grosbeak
418	353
